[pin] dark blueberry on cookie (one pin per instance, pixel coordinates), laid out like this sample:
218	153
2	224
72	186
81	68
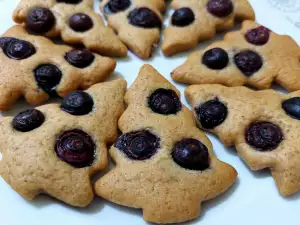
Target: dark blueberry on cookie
164	101
115	6
138	145
81	22
69	1
80	58
258	36
48	76
183	17
76	148
28	120
144	17
264	136
78	103
17	49
5	40
211	113
220	8
40	20
191	154
216	59
292	107
249	62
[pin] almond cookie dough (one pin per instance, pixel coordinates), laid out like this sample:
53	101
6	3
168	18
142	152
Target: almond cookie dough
55	149
164	164
36	68
253	56
194	21
137	22
75	21
263	125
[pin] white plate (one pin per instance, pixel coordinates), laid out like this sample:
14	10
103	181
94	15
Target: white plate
254	199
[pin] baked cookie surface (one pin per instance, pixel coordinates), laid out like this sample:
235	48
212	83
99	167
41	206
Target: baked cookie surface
194	21
75	21
36	68
263	125
137	22
164	164
55	149
253	56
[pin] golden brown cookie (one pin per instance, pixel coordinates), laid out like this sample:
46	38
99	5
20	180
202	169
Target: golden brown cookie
75	21
137	22
263	125
194	21
164	164
253	56
36	68
55	149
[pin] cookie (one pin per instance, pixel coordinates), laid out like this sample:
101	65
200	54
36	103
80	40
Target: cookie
253	56
137	22
35	67
164	164
194	21
263	125
74	21
63	145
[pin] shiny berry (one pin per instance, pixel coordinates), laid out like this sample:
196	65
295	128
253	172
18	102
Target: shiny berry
48	76
28	120
211	114
78	103
76	148
115	6
220	8
144	17
264	136
80	58
164	101
81	22
215	59
258	36
40	20
292	107
17	49
191	154
249	62
138	145
183	17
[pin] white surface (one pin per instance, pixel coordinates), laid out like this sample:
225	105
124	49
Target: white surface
254	199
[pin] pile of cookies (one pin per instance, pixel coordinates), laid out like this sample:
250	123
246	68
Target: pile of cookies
165	165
